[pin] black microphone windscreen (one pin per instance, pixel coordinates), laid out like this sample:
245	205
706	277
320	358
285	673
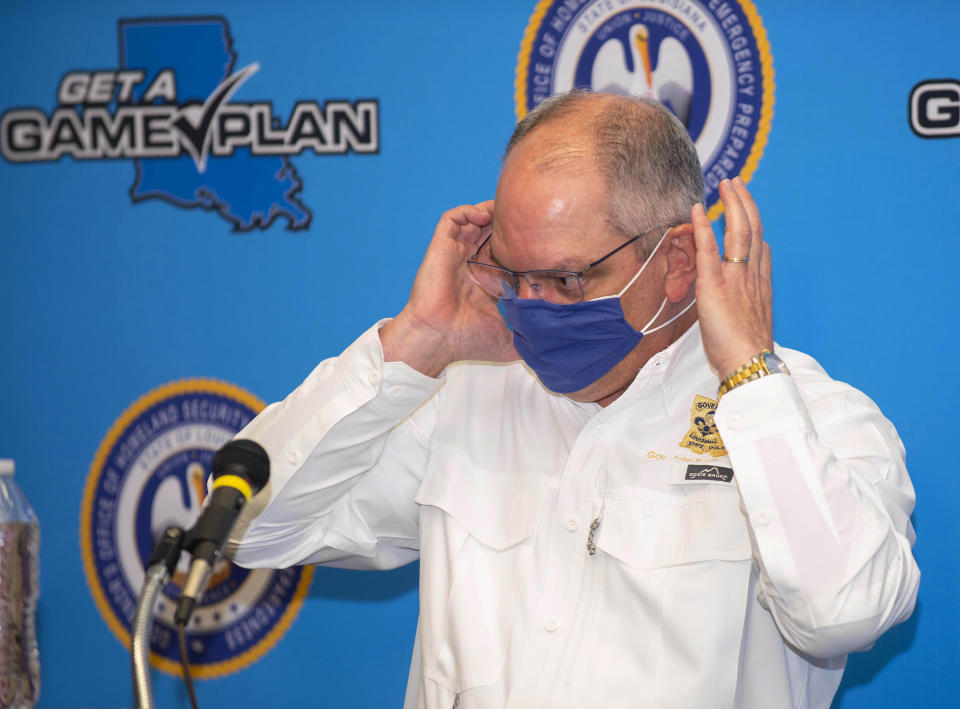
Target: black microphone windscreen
246	455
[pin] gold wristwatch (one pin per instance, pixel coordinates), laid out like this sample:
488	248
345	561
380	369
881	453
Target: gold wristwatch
759	366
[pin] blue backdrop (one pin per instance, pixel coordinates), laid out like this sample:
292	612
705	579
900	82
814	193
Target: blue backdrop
118	276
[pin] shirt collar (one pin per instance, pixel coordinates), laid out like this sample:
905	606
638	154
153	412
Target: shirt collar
687	367
673	371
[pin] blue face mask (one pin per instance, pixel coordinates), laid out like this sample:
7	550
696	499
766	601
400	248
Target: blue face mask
572	346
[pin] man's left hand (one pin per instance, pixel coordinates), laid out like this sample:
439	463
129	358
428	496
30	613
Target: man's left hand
734	298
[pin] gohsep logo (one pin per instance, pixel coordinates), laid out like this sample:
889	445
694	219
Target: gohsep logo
935	108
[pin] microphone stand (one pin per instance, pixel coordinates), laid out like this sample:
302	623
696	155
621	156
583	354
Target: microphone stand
162	562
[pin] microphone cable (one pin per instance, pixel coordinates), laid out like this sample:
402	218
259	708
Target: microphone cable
240	469
185	664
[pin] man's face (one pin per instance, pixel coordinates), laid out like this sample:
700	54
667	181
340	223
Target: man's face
554	217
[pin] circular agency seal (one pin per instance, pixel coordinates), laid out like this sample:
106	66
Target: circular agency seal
709	61
150	472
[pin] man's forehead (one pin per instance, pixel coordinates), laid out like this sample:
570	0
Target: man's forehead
550	175
551	208
567	245
528	259
561	157
548	149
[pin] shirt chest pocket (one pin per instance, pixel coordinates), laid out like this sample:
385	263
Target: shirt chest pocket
477	529
680	559
648	529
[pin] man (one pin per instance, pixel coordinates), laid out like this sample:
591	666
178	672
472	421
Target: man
586	537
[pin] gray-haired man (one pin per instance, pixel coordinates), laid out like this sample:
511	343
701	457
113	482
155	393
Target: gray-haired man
594	528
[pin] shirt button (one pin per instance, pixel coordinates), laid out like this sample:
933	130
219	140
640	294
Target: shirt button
551	624
572	524
293	457
599	433
763	519
373	378
395	392
735	421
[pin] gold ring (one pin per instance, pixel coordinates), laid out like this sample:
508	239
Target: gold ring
734	259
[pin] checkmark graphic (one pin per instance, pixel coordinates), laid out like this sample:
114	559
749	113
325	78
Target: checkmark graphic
194	121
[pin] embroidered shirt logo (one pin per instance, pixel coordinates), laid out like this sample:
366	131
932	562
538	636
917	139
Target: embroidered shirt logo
703	437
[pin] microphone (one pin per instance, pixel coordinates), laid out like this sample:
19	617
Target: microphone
240	470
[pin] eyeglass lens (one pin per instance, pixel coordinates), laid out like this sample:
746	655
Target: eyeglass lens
561	287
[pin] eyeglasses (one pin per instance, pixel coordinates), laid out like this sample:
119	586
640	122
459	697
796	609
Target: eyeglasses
560	287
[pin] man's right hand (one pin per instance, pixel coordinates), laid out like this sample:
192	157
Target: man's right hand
448	317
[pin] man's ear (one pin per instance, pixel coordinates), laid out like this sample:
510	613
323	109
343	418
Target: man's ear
681	262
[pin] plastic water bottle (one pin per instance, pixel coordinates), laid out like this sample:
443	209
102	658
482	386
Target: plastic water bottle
19	589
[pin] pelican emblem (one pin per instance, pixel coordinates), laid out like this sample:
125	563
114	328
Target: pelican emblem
708	62
671	82
176	503
150	472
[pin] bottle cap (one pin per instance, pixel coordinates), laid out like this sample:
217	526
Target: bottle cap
6	466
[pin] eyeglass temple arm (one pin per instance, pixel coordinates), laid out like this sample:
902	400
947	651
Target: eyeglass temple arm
622	246
482	244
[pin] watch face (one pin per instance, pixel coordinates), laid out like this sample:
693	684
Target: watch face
774	364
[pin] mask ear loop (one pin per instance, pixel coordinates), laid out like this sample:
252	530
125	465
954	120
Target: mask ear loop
644	266
644	329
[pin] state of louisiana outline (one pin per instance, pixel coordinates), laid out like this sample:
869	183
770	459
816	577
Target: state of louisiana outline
249	191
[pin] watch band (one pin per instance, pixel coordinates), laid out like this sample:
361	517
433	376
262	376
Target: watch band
754	369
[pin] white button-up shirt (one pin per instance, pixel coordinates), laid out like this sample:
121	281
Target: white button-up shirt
578	556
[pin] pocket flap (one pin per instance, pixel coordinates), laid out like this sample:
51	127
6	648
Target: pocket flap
498	509
646	532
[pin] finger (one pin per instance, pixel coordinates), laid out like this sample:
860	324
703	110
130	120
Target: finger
470	214
753	217
486	206
480	224
766	282
708	253
476	226
465	224
736	238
